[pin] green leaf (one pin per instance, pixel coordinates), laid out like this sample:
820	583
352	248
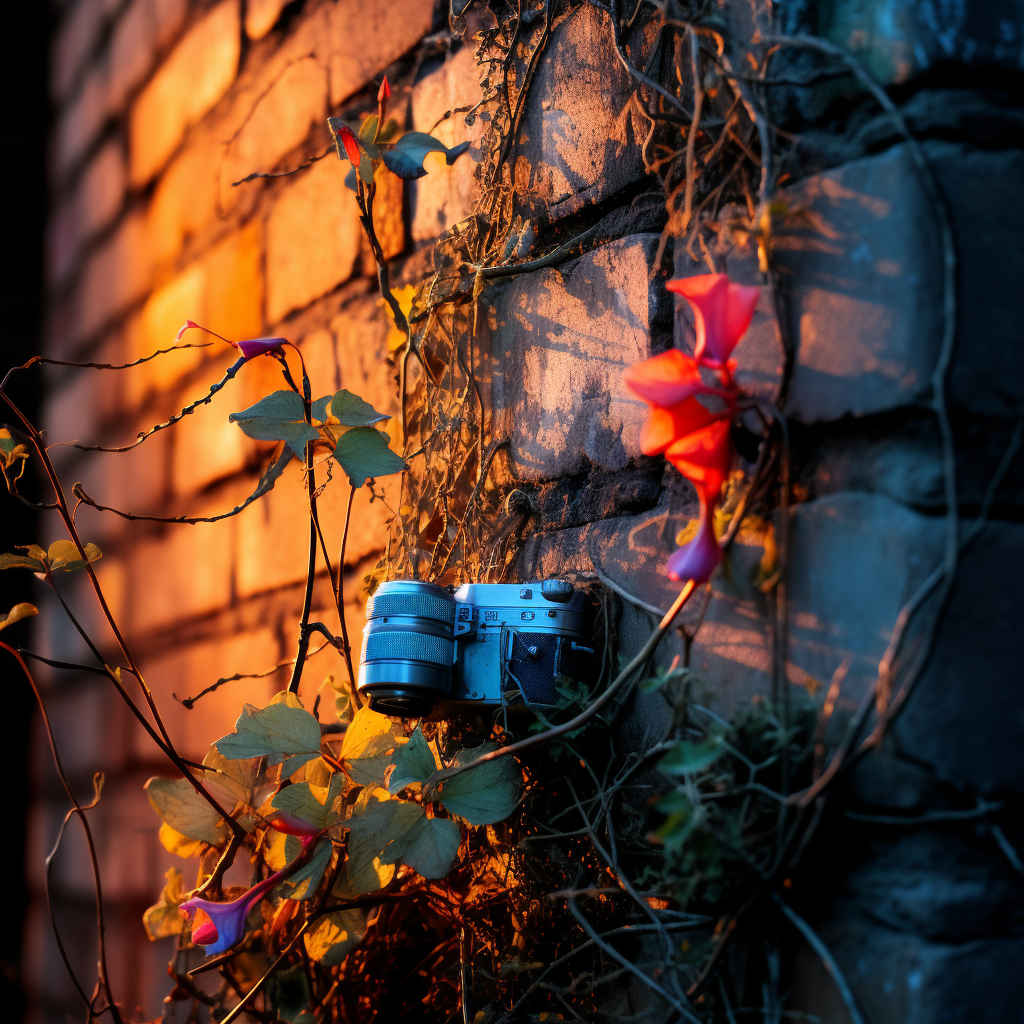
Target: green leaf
372	827
429	847
413	763
351	411
687	756
314	805
485	794
363	453
17	613
278	417
181	807
406	157
331	939
280	729
163	918
365	750
9	561
303	883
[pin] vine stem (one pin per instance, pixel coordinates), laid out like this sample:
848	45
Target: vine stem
584	716
80	812
163	740
339	596
827	959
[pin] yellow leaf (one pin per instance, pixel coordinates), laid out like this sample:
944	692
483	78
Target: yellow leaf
18	612
331	938
163	918
284	697
396	339
273	850
175	842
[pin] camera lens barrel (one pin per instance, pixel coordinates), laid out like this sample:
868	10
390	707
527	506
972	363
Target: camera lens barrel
408	647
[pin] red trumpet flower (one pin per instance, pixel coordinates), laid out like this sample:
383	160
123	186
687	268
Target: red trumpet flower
722	311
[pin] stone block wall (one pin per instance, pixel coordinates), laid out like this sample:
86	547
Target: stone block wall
164	104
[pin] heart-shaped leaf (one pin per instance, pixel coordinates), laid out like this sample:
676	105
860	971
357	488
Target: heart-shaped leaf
278	417
280	729
333	936
413	763
181	807
363	453
487	793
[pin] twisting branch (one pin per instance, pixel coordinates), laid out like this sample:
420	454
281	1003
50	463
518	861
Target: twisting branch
78	810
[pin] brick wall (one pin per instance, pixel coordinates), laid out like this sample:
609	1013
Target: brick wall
161	105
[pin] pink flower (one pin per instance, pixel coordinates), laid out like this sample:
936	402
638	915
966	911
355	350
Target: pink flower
384	92
187	325
226	921
697	560
722	311
257	346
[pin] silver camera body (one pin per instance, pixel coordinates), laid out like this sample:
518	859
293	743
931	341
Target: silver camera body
485	645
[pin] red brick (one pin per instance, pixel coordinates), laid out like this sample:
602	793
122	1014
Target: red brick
185	199
313	239
446	195
189	83
74	41
80	122
187	670
234	275
116	275
185	572
280	120
366	38
261	16
102	188
273	535
91	207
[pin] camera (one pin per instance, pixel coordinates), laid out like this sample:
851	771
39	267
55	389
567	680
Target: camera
482	646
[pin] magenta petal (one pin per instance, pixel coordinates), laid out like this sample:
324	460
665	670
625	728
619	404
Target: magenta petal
184	327
205	934
257	346
697	560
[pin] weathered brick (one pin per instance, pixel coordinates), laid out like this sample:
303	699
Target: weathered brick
366	38
92	206
207	447
165	312
313	238
234	275
273	535
279	121
116	275
261	16
73	42
80	122
132	52
446	195
581	133
560	346
185	199
187	670
191	80
184	572
102	188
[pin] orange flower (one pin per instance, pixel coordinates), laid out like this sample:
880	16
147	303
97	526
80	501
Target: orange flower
722	311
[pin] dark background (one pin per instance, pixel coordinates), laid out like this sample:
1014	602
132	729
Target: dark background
23	132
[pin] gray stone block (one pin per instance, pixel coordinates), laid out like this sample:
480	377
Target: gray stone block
965	717
901	39
861	270
560	344
580	137
856	559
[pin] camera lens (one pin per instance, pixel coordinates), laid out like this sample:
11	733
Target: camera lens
408	648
